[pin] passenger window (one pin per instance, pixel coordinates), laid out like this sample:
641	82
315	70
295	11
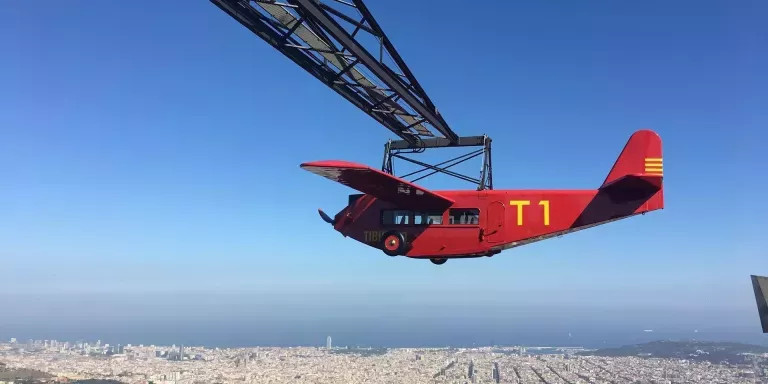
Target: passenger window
464	216
428	218
390	217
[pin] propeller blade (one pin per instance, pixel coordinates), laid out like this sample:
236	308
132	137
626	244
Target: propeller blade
325	217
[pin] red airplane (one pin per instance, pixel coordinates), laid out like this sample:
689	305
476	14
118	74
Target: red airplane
343	46
402	218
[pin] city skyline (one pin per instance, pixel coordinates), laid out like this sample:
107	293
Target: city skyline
147	364
115	345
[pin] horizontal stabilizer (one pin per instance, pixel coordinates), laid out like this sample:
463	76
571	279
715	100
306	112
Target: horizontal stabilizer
634	180
379	184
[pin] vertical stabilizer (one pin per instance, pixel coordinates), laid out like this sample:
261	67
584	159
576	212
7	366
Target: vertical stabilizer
641	158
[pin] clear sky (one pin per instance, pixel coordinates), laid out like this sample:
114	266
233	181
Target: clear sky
149	154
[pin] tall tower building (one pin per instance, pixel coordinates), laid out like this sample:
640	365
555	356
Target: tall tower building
328	342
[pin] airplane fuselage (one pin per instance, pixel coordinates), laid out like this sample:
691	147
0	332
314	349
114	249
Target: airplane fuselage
483	223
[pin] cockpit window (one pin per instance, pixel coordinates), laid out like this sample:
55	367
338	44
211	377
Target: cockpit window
464	216
354	197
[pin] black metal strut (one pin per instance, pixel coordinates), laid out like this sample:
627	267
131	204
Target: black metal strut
397	149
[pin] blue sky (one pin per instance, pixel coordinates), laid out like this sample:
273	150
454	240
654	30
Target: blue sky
155	149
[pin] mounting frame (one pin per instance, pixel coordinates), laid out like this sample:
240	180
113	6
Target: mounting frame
397	149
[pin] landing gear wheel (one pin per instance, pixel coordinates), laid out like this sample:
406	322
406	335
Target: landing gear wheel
393	243
438	261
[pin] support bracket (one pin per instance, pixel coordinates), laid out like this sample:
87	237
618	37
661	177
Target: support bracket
398	149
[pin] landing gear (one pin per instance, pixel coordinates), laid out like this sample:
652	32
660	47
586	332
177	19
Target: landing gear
438	261
393	243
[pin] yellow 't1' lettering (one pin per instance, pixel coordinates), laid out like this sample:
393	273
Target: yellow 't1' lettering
519	204
545	204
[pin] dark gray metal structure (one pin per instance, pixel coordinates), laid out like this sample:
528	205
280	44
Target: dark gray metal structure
341	44
760	285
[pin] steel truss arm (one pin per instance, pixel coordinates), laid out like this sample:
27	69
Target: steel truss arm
342	45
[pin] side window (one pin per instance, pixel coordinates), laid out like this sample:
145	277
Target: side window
428	218
395	217
464	216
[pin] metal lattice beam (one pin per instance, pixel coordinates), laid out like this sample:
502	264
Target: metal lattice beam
341	44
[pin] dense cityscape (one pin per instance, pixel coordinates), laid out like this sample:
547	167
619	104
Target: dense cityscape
43	361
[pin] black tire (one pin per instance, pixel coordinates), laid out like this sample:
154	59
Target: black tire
438	261
393	243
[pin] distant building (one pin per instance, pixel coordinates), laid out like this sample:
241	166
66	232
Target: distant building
13	340
328	343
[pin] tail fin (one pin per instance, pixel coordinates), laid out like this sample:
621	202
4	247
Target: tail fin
640	159
633	186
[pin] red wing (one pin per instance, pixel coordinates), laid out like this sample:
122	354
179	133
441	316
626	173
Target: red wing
379	184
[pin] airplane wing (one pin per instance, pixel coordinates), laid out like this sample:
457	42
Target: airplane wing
379	184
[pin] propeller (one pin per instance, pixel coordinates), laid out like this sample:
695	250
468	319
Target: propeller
325	217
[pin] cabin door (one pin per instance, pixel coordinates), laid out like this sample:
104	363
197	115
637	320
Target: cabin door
494	223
